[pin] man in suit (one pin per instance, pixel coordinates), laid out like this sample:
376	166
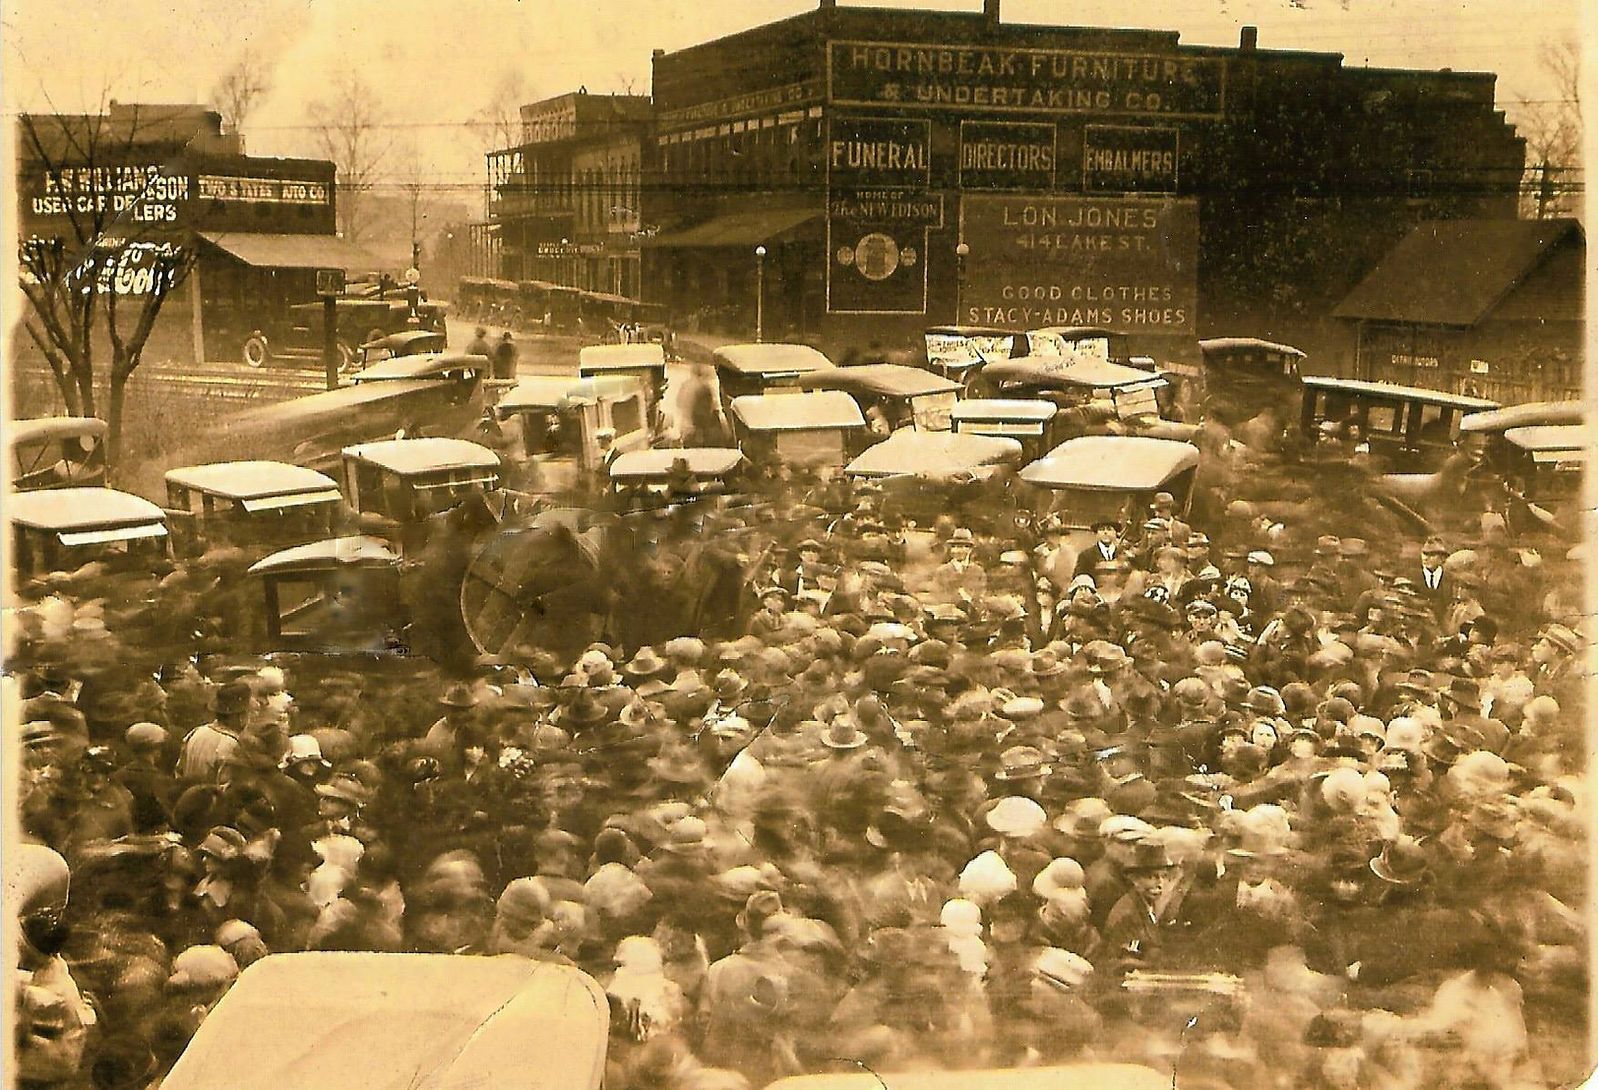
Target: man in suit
1106	549
1436	588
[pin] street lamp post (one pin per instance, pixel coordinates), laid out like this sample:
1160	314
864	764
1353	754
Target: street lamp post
760	292
961	252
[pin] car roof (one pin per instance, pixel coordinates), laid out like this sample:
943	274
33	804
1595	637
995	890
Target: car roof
45	428
1393	391
1228	344
64	509
1083	1076
408	457
404	338
770	358
421	365
910	452
1553	437
562	391
326	1020
702	462
1086	374
1132	463
250	480
889	379
797	412
357	551
1075	332
1523	415
621	357
968	331
1019	409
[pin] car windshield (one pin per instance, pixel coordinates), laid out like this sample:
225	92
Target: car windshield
1079	508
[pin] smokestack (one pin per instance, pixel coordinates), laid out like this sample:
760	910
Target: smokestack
990	11
1249	39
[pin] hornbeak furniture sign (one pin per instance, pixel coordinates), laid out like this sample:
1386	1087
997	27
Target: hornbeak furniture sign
1038	260
920	75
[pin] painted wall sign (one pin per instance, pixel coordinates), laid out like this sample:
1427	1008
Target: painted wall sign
1129	159
1007	155
920	75
1039	260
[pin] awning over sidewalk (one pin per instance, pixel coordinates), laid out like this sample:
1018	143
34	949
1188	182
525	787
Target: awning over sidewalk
738	229
294	251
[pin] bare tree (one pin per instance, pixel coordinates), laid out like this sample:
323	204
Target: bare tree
411	176
239	91
349	126
1553	131
499	123
93	271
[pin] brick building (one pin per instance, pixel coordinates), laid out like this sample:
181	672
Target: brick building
1094	176
565	202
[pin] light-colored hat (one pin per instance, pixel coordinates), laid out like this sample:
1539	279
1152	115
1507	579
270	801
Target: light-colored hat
986	879
203	967
1062	967
1062	873
1017	817
303	747
1125	828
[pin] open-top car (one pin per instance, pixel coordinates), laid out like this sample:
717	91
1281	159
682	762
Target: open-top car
56	452
816	429
297	333
957	351
249	504
912	453
1096	478
335	595
62	529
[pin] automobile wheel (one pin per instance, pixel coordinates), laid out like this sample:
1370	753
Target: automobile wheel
256	351
347	360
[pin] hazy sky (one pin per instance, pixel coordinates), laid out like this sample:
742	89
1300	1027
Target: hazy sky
436	63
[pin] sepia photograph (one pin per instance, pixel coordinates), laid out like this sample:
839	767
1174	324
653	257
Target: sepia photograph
795	545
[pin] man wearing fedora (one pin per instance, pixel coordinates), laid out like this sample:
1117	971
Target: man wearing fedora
1148	916
207	745
1435	586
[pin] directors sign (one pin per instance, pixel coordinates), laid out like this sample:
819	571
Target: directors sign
1007	155
1055	81
1125	263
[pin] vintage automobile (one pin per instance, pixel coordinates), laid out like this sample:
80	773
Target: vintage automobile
676	472
1481	435
1096	477
1543	465
818	429
411	342
644	362
409	395
296	332
249	504
744	369
62	529
56	452
1404	428
1243	375
1029	421
408	480
891	395
1094	396
957	351
401	1022
913	453
336	595
555	423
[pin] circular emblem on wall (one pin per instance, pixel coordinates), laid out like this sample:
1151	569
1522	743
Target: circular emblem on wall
876	256
845	255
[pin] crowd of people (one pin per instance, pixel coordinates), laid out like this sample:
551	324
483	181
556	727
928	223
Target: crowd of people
1265	808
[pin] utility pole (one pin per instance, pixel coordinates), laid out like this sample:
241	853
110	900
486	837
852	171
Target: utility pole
1545	190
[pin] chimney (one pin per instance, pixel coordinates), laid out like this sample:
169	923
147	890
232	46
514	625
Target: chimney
826	5
1249	40
657	53
990	11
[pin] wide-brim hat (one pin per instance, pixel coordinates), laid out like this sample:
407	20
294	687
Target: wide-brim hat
1021	763
459	695
1401	864
231	698
344	790
223	843
1150	854
646	663
843	733
585	711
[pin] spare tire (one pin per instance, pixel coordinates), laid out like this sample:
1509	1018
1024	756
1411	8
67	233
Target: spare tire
257	353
